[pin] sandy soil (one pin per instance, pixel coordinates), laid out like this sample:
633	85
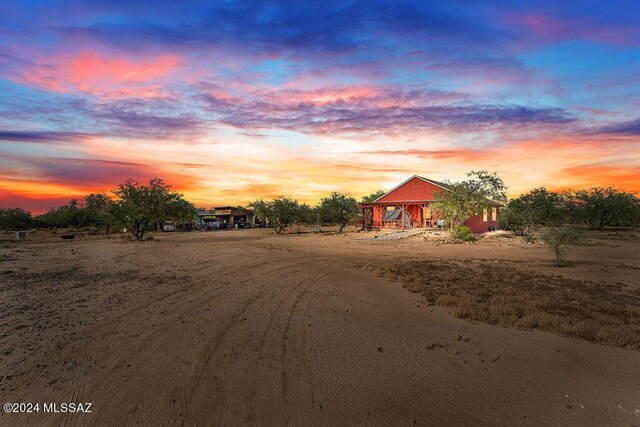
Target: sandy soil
243	327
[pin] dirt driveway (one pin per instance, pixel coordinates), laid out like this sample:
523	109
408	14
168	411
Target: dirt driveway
241	327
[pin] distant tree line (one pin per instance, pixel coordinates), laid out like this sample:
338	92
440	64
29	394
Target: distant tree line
595	208
136	207
559	218
281	212
140	208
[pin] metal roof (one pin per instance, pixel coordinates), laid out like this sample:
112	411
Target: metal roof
442	185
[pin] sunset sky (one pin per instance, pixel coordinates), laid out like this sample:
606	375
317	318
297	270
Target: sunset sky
230	101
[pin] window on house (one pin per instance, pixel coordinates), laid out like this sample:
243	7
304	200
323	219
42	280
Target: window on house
485	215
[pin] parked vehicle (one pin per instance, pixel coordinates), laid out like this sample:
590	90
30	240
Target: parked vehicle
168	226
212	225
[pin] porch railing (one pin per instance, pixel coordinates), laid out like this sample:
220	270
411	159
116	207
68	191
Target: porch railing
428	223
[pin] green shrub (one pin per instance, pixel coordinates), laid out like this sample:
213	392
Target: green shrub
462	233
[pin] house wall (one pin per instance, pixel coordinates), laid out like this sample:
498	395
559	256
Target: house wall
477	225
415	189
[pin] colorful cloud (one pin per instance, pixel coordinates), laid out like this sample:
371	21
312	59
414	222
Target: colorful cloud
232	101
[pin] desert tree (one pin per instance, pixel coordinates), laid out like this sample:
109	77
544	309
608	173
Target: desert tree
373	196
279	212
74	214
304	216
601	207
137	206
488	185
338	208
528	212
261	209
457	203
460	200
14	219
71	215
180	211
97	209
470	197
559	239
47	219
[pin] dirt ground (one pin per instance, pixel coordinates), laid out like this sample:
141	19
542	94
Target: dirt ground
245	327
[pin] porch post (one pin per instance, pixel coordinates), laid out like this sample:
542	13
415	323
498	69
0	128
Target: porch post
364	217
375	215
402	215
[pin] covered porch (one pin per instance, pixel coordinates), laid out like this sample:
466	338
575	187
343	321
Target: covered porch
398	215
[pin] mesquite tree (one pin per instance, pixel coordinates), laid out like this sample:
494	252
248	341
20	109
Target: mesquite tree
459	200
339	208
600	207
279	212
137	206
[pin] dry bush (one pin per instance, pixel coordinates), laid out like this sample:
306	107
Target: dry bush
499	294
560	239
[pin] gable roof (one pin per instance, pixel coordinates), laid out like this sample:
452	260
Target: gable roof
442	185
430	181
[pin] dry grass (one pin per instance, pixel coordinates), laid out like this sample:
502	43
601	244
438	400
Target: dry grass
501	294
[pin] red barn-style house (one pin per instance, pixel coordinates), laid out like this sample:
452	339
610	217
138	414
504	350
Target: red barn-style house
407	206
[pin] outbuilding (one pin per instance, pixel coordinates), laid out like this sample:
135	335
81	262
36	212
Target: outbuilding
408	205
233	217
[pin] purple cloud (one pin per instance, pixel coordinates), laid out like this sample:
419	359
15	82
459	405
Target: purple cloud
42	137
630	128
370	117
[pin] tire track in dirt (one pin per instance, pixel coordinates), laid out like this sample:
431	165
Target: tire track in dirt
305	353
285	337
121	320
272	317
219	337
221	331
252	303
199	350
253	349
288	360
